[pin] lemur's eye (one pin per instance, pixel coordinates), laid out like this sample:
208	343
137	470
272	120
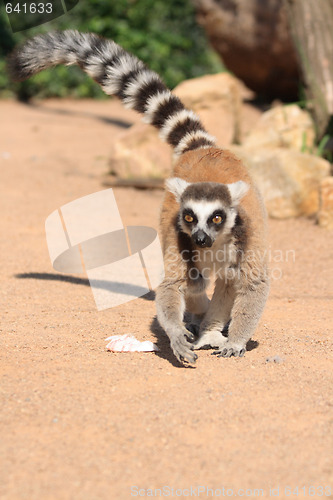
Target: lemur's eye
188	218
217	219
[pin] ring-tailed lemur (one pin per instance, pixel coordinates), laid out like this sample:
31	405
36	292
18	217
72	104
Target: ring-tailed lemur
213	219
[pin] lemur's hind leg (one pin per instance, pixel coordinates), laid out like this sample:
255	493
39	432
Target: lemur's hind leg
197	303
217	317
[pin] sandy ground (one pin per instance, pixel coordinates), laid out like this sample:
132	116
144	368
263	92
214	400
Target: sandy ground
78	422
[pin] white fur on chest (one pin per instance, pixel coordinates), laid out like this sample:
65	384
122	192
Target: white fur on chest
215	262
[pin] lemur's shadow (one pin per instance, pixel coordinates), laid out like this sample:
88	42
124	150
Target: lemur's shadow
161	341
163	344
104	284
109	121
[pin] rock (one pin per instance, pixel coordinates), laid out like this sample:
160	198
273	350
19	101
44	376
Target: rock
250	116
275	359
325	214
139	152
252	37
283	126
288	180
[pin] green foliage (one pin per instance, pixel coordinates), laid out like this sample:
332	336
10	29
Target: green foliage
321	149
164	34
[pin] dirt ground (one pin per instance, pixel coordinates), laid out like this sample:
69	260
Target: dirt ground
78	422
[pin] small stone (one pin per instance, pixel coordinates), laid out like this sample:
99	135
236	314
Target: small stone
274	359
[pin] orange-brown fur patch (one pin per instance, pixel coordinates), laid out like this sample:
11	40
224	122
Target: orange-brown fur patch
214	165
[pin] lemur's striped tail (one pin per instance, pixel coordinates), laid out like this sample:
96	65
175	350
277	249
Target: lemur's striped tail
119	73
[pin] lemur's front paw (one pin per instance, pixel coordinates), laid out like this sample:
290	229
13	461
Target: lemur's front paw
182	348
230	349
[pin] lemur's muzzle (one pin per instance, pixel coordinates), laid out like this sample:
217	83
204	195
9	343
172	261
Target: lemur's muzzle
201	239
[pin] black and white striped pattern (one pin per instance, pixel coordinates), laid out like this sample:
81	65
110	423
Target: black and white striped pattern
119	73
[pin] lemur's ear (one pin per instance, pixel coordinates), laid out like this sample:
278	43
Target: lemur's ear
176	186
237	191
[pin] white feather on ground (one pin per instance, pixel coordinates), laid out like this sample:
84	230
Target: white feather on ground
127	343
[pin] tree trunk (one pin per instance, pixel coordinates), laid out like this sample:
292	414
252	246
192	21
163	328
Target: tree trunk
253	39
311	24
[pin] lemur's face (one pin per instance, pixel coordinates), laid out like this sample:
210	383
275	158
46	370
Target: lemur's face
202	220
207	209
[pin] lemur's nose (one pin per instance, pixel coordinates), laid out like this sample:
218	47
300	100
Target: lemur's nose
202	239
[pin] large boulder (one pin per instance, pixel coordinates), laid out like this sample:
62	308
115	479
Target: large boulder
288	180
283	126
139	152
253	39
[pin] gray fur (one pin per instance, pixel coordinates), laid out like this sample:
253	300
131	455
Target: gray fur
241	279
